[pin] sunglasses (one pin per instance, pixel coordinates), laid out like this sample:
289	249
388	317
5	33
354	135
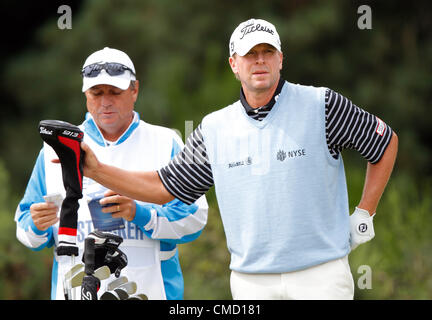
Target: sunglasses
112	68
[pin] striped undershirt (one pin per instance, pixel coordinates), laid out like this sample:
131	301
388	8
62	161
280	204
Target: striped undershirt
189	174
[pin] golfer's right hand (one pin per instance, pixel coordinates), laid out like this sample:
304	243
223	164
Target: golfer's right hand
44	214
90	163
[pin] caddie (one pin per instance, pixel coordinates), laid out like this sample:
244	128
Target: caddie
115	132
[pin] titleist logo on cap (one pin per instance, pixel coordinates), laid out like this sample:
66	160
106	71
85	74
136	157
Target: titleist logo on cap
252	27
258	31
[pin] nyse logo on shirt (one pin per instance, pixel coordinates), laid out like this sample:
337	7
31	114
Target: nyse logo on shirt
281	155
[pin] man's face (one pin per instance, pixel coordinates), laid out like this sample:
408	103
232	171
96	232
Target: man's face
111	108
259	69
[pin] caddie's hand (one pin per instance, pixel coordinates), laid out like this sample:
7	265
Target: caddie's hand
44	214
362	229
91	162
123	207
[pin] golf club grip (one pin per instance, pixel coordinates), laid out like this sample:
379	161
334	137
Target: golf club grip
89	256
90	287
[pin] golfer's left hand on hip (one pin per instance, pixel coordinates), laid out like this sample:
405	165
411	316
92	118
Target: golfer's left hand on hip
361	227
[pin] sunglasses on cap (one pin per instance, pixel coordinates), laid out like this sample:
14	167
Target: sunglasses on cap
112	68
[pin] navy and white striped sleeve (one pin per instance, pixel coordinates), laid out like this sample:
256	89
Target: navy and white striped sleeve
348	126
188	175
174	222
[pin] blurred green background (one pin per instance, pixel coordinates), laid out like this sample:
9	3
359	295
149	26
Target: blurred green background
180	52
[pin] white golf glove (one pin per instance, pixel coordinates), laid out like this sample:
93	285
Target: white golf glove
362	229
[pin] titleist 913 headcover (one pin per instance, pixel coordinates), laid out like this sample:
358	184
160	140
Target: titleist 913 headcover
65	139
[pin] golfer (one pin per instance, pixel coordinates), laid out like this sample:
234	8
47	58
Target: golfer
274	157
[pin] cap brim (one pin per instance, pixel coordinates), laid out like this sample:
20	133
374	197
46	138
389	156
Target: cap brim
263	38
122	81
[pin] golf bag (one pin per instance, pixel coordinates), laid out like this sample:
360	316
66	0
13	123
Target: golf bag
107	252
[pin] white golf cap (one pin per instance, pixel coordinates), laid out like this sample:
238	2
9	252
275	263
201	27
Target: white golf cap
252	32
109	55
